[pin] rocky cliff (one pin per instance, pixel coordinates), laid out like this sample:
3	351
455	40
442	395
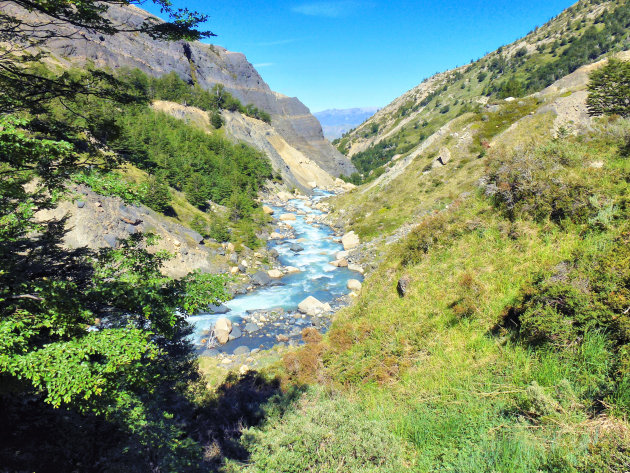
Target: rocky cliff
195	62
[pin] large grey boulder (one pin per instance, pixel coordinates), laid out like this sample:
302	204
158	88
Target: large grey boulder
312	306
261	278
218	309
296	248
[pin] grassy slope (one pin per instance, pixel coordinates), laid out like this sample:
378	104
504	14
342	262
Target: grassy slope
458	393
414	116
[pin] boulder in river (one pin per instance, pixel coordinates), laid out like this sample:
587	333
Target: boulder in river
218	309
276	236
312	306
296	248
267	210
235	333
275	273
284	196
252	327
291	269
261	278
241	350
354	285
222	329
339	263
287	217
350	240
341	255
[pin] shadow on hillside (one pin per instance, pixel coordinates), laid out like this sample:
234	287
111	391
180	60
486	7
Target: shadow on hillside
239	403
34	436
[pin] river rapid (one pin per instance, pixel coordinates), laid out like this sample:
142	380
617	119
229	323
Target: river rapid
268	314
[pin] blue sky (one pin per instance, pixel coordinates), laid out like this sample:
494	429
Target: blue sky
358	53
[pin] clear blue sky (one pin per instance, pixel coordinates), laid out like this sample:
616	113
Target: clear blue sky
355	53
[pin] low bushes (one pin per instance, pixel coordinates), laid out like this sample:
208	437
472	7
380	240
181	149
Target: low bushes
323	433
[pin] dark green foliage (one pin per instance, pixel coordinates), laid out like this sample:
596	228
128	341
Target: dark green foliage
206	167
511	88
156	193
590	45
377	155
172	88
609	89
216	120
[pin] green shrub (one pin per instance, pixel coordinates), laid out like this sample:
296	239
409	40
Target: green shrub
323	434
111	184
156	193
609	89
537	183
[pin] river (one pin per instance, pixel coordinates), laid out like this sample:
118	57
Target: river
317	278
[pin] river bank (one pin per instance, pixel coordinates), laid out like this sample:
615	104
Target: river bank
308	281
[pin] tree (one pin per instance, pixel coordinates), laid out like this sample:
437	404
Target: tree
100	334
609	89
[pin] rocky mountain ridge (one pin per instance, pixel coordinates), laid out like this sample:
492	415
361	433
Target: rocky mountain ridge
196	63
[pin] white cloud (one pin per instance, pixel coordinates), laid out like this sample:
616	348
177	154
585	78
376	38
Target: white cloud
263	64
328	9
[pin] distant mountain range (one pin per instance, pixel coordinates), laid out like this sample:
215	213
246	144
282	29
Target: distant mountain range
336	122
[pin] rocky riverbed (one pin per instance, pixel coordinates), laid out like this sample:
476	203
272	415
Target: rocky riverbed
310	275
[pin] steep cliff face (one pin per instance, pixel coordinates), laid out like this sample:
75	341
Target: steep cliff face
204	64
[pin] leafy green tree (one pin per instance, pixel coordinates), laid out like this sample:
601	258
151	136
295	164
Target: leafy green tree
609	89
101	335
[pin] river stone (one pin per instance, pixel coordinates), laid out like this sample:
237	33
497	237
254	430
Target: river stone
275	273
341	255
218	309
284	196
274	253
356	268
276	236
296	248
267	210
251	327
222	329
291	269
282	338
349	241
241	350
311	306
80	204
354	285
235	333
261	278
287	217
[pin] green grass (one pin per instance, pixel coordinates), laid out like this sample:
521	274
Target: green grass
443	369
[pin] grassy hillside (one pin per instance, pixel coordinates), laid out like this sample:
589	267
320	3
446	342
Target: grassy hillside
492	331
576	37
509	351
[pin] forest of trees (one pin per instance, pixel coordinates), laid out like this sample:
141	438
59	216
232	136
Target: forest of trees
97	372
